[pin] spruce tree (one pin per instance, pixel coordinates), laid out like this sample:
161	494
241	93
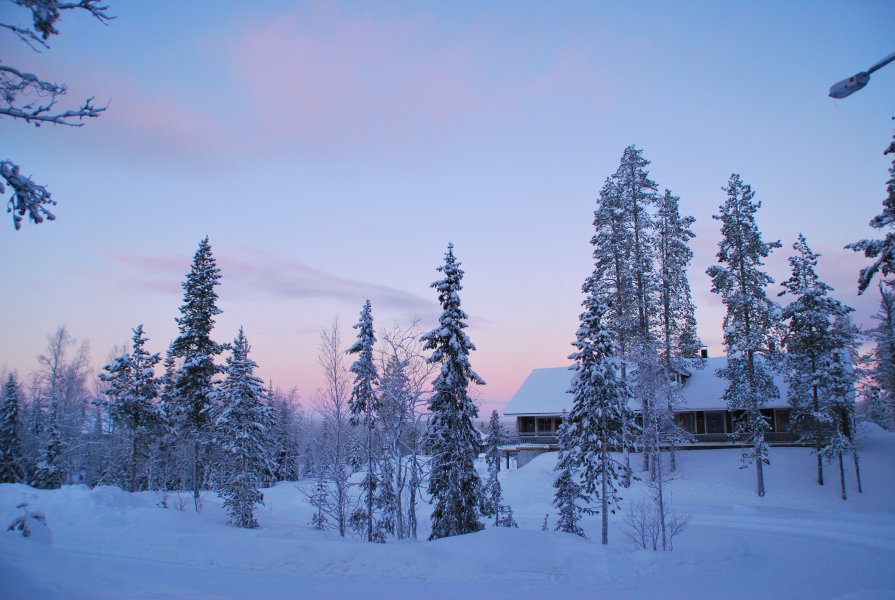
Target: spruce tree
883	251
677	318
882	370
810	346
241	430
454	485
569	497
10	434
49	474
750	323
600	410
493	505
132	389
194	384
365	401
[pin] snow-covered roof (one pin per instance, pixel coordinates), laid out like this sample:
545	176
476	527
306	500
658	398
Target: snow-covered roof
544	392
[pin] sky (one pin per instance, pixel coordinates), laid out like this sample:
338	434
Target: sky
331	150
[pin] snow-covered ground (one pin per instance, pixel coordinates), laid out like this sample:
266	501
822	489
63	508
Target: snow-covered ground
800	541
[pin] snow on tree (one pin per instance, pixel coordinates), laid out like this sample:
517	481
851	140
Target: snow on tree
839	389
132	390
365	401
569	497
10	434
493	505
677	318
331	403
17	91
241	431
194	384
600	410
454	485
284	435
751	322
810	346
403	389
883	251
881	391
49	474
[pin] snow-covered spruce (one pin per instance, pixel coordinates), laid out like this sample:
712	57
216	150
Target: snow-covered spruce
569	497
751	323
880	391
194	384
600	412
882	251
493	505
364	406
241	433
454	485
131	387
10	434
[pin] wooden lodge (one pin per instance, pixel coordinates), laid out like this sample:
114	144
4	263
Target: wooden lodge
540	401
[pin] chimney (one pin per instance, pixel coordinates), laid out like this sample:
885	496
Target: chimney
704	352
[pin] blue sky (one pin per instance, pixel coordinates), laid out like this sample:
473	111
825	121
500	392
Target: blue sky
331	150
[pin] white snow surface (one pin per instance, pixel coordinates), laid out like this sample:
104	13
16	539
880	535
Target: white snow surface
800	541
544	392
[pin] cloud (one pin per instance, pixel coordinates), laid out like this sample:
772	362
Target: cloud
255	272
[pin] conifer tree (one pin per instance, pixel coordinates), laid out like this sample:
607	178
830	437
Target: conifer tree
883	251
49	474
569	498
133	388
811	348
241	428
10	434
882	370
840	390
751	320
454	485
599	410
677	314
365	401
493	505
195	380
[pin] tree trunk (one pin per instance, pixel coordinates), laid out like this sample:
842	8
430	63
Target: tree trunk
842	476
858	472
759	473
197	477
369	478
604	539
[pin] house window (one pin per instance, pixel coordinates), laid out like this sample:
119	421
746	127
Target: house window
714	422
781	418
526	424
548	424
686	422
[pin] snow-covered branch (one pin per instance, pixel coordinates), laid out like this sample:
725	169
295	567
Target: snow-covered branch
28	198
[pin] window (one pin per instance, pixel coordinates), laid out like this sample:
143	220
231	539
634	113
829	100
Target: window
526	424
714	422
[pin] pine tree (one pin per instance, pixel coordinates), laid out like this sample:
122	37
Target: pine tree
241	429
453	482
194	385
882	369
133	388
599	411
10	434
365	401
810	344
750	324
881	250
569	498
839	389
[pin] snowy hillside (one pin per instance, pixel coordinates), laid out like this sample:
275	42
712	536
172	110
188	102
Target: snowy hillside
801	541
